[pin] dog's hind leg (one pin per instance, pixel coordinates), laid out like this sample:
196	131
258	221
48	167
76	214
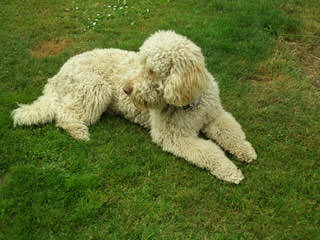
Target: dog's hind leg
72	124
227	132
87	105
95	100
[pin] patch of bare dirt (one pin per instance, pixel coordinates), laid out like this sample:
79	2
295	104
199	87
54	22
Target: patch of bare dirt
50	48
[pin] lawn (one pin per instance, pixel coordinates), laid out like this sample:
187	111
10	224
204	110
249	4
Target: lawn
265	55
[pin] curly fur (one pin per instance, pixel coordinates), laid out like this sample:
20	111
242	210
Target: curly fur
166	74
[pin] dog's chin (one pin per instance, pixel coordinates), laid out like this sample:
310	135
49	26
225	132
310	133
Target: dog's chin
144	105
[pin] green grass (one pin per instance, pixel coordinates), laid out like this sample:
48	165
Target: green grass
119	185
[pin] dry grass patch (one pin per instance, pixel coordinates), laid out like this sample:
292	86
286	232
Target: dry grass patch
50	48
306	47
270	69
278	66
309	57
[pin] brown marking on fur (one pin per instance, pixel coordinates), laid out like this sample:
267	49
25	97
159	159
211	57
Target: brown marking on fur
151	72
50	48
184	88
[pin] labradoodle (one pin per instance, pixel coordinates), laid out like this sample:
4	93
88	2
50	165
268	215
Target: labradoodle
164	87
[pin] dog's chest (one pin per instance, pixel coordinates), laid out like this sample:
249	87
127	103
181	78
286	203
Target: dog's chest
178	122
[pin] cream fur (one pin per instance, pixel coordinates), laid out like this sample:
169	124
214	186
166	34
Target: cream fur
166	74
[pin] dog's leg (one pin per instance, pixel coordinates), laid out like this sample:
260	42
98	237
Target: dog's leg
73	125
204	154
84	107
95	100
227	132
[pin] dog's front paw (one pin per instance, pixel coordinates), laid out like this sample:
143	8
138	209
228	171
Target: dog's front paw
227	171
245	152
232	176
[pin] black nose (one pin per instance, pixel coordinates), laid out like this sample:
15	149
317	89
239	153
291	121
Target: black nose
127	89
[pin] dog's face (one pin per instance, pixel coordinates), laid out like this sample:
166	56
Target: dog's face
171	71
145	87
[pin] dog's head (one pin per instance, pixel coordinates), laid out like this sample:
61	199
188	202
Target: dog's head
172	71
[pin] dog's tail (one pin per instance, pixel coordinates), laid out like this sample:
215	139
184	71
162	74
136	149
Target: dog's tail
39	112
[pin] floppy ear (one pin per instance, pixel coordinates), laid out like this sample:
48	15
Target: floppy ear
186	81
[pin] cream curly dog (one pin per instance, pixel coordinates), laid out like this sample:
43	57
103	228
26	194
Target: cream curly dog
164	87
